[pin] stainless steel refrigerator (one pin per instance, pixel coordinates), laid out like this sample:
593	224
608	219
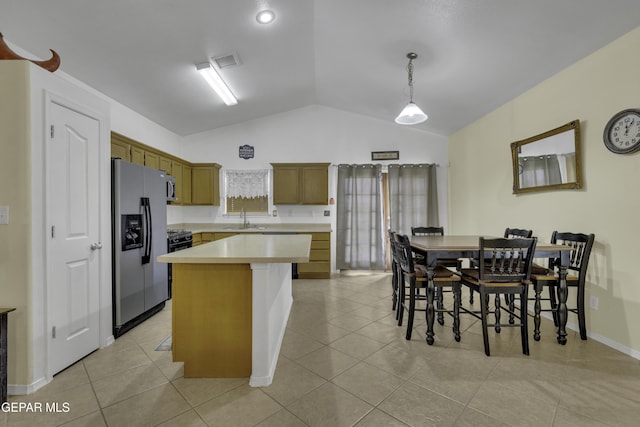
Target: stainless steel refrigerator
139	236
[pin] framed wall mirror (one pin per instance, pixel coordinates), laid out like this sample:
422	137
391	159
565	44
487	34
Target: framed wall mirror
549	161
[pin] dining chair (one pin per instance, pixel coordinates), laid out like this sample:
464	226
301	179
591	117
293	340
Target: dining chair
416	276
548	277
394	271
454	263
504	267
509	233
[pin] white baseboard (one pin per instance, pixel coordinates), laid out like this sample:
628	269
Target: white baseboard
596	337
17	390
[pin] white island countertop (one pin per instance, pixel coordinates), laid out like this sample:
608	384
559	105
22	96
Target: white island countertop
245	248
252	228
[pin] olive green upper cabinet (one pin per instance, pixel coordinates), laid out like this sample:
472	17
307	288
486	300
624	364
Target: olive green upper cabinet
186	185
205	188
120	148
300	183
177	169
196	183
151	160
164	164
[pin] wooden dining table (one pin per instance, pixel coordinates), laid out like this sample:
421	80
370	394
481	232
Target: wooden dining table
468	246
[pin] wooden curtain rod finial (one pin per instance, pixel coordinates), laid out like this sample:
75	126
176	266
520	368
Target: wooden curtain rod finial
51	64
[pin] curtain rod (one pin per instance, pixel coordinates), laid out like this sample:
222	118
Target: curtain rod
385	164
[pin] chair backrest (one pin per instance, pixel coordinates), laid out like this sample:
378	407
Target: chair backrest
506	260
517	232
427	231
404	255
580	244
392	245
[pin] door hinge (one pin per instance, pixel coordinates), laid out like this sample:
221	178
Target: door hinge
51	130
53	231
53	332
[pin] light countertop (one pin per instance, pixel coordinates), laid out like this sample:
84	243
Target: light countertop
254	228
245	248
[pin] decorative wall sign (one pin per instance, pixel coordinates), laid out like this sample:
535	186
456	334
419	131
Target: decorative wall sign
385	155
246	152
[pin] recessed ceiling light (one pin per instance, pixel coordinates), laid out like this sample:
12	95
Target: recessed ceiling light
265	16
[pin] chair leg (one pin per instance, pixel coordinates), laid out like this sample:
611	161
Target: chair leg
440	305
484	310
457	296
537	307
497	314
412	309
512	305
554	304
524	320
401	299
581	317
394	288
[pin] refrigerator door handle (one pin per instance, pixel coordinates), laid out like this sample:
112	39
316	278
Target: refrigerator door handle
146	257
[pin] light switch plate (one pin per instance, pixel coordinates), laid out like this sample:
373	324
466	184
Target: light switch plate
4	214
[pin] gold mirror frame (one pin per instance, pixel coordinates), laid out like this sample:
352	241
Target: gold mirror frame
568	181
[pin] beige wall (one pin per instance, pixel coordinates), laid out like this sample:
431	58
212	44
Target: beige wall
15	191
27	91
480	178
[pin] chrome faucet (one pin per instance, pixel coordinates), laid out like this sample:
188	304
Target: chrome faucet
245	223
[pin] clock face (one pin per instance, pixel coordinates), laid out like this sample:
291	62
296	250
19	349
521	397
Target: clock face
622	132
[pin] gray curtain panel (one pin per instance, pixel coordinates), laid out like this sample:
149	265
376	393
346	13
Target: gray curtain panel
360	235
413	197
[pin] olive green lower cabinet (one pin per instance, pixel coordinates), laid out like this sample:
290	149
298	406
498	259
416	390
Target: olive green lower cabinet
319	265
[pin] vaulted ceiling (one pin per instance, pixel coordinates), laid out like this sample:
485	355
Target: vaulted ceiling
473	55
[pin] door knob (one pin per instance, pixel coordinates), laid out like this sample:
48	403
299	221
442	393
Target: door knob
95	246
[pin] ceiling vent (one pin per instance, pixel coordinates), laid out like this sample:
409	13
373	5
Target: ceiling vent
226	61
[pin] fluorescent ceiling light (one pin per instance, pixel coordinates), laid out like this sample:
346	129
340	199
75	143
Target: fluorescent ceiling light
215	81
265	16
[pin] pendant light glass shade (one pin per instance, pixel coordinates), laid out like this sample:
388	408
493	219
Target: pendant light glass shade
411	114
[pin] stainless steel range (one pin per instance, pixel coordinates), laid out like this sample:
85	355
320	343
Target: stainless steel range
177	240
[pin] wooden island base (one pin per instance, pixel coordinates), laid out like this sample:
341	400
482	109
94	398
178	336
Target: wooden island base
231	303
211	320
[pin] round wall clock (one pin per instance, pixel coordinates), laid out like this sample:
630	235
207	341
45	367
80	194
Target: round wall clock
622	132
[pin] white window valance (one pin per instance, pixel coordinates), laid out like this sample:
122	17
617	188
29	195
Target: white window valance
247	183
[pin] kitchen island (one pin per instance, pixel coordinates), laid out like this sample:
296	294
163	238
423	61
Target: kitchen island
320	257
231	303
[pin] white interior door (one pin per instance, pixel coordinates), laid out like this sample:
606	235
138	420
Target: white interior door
74	248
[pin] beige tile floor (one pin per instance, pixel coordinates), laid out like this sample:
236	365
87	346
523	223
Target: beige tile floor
345	362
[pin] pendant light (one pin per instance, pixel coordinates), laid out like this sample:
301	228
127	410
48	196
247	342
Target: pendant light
411	114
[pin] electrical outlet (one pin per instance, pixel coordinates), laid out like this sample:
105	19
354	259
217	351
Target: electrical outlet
4	214
593	302
275	212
